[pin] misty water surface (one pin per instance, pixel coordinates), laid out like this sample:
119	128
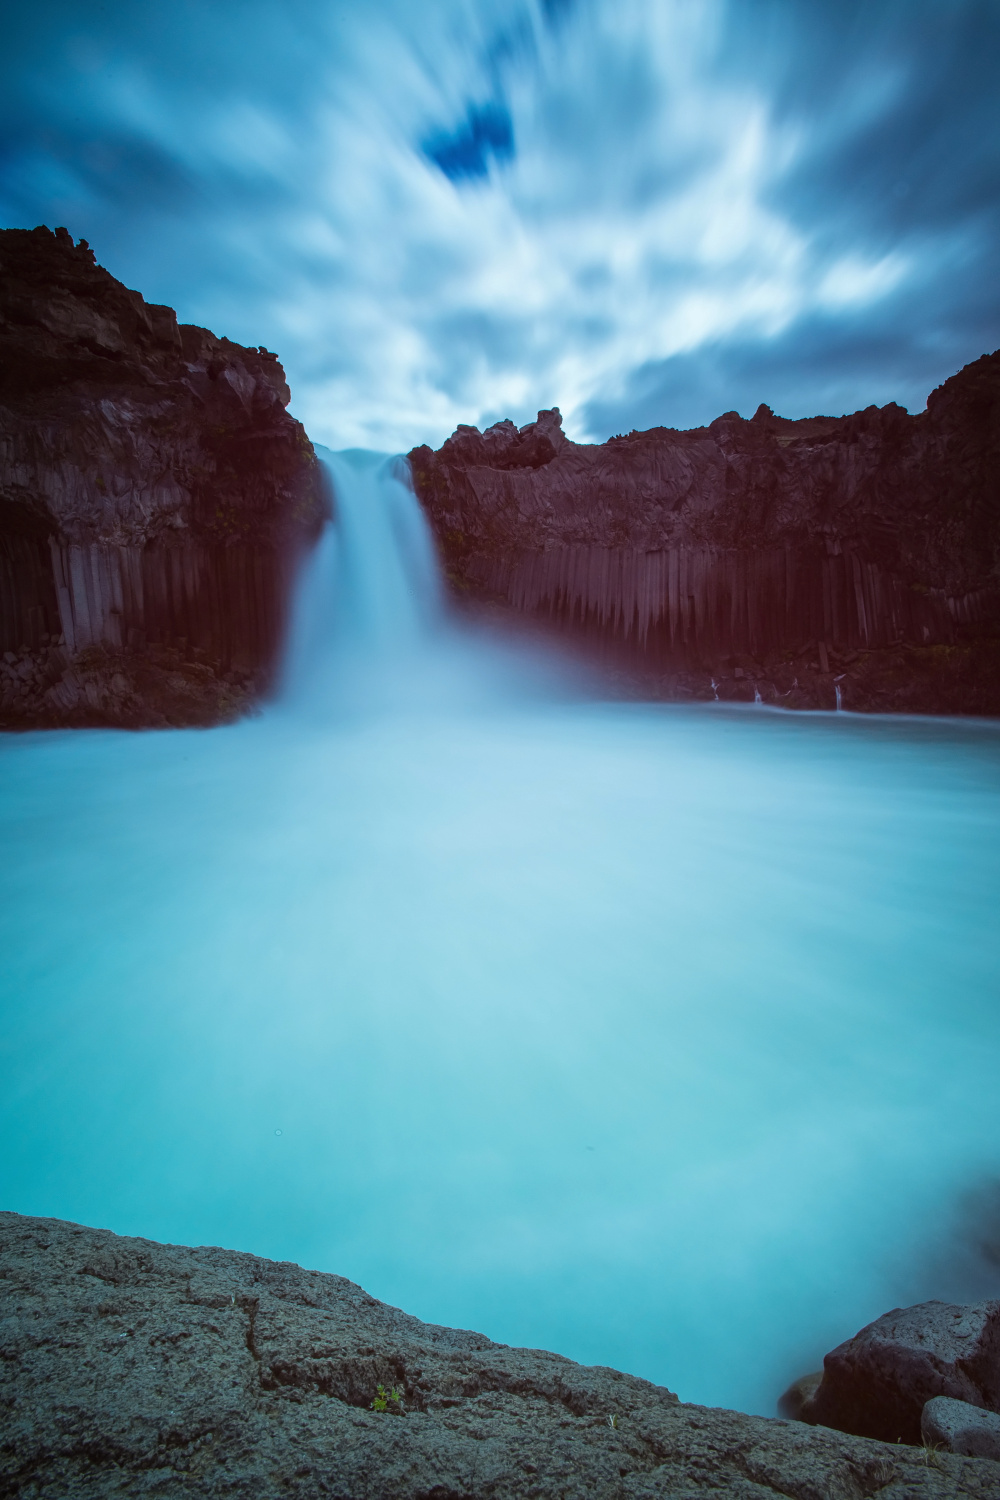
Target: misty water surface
666	1038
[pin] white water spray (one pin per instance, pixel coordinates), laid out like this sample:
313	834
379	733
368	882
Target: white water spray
370	629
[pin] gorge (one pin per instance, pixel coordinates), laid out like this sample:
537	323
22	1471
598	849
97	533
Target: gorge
157	498
661	1035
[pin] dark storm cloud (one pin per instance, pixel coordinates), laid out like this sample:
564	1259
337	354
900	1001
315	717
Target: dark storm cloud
820	365
896	110
642	212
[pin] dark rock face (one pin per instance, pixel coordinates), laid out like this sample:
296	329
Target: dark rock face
129	1368
877	1383
154	492
811	554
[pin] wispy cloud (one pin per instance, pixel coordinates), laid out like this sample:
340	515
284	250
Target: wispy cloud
639	212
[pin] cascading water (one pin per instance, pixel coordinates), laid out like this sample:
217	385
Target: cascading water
370	631
369	601
664	1037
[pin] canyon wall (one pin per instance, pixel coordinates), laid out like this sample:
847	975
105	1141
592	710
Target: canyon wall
154	498
772	556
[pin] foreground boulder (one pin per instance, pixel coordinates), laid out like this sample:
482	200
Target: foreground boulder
878	1383
787	560
154	497
129	1368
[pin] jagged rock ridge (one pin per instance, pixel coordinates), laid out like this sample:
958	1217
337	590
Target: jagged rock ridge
154	494
753	539
129	1368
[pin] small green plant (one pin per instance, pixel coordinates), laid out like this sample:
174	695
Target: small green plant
613	1421
932	1455
384	1399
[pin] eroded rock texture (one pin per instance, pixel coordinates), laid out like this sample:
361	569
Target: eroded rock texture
861	552
154	495
130	1368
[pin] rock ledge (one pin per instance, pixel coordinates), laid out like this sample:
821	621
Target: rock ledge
134	1369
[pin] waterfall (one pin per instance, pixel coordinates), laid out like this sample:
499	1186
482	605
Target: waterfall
387	592
369	604
370	628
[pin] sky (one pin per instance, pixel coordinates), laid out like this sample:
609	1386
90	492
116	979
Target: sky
646	212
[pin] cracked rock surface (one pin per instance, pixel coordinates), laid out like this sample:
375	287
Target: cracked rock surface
131	1368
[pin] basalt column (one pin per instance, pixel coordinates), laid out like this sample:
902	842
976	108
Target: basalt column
155	496
797	554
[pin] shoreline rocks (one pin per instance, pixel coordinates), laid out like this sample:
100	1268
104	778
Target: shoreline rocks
131	1368
160	687
925	1374
877	1383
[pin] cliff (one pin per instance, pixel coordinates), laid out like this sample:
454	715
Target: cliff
135	1369
788	557
154	494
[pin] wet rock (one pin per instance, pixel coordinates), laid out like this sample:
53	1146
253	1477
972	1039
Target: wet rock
131	689
877	1383
961	1428
133	1369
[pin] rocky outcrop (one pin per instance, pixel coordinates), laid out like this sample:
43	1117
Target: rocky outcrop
860	552
129	1368
154	495
878	1383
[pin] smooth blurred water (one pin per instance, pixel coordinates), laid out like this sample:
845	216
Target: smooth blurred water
666	1038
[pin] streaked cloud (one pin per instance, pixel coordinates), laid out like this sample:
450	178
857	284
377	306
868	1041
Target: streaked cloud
642	212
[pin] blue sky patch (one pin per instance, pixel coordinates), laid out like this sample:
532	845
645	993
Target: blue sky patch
485	135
